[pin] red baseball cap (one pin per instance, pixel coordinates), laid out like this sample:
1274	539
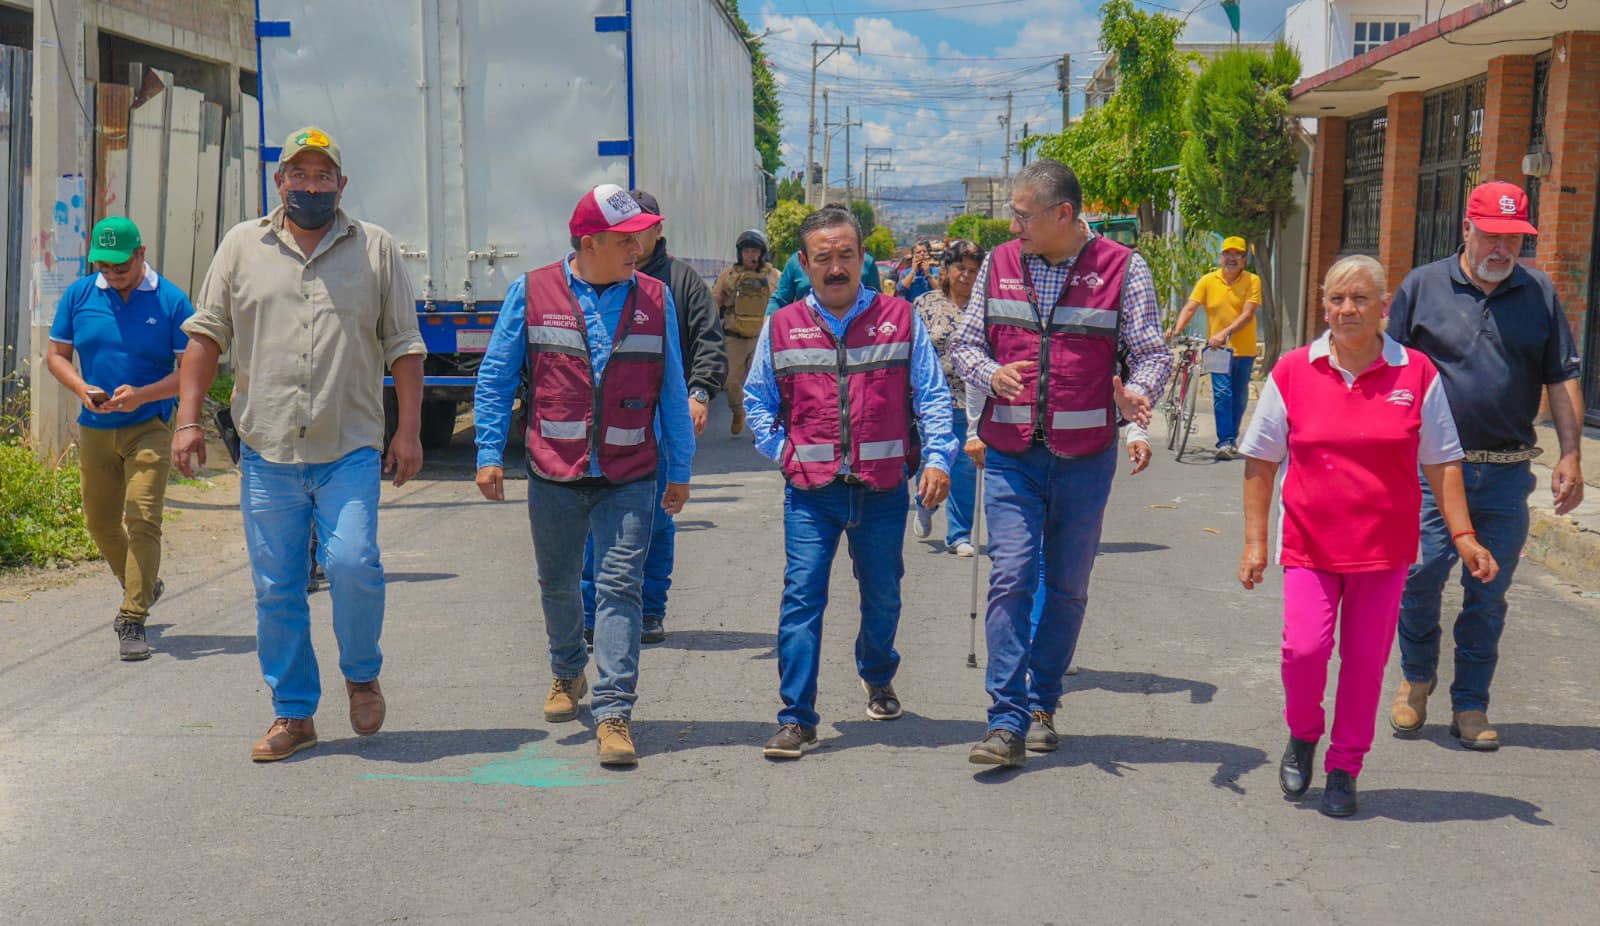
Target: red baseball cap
1500	208
609	208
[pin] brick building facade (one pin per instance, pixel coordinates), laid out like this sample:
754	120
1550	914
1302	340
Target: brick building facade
1406	130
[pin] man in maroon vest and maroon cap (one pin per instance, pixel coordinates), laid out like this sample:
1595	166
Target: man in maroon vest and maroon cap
1049	312
840	385
599	344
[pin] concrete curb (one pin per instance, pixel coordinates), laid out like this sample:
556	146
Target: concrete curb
1565	547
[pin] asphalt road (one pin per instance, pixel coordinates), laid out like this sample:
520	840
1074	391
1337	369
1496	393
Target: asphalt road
126	793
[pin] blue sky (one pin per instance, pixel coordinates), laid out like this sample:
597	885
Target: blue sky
923	82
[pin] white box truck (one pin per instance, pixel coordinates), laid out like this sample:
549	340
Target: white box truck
470	128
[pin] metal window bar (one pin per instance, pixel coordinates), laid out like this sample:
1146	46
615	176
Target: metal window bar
1536	145
1452	144
1363	182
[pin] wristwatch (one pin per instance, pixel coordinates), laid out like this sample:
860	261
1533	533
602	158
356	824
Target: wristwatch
700	395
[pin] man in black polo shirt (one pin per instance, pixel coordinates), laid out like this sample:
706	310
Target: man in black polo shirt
1496	331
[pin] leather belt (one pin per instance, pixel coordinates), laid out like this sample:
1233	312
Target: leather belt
1502	456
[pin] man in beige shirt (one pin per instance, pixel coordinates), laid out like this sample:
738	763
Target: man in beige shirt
314	305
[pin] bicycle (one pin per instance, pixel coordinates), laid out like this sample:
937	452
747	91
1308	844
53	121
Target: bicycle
1178	405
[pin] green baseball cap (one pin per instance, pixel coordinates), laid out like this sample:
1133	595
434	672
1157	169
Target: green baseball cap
113	240
309	138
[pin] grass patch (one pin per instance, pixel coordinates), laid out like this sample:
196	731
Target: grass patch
41	510
221	391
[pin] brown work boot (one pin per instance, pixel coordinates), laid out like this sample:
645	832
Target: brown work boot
616	743
738	422
366	706
1472	730
561	705
286	737
1411	707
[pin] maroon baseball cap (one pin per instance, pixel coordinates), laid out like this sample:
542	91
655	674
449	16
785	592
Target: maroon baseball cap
1500	208
609	208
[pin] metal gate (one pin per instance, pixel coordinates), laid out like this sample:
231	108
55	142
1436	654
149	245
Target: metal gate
1452	140
1591	332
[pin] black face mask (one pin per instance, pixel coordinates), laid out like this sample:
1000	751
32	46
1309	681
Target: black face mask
309	210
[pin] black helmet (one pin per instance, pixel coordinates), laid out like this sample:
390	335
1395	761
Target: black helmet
750	238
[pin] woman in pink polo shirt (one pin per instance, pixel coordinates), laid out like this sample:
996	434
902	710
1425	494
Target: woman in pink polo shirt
1353	415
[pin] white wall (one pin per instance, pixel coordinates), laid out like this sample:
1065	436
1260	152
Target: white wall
1324	30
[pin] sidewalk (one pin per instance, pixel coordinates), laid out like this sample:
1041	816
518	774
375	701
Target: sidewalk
1569	545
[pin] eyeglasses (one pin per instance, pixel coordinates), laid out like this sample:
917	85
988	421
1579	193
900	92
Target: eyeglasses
123	267
1023	218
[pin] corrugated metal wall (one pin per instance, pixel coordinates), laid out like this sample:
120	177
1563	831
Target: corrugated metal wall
16	223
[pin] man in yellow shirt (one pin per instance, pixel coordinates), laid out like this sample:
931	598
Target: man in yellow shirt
1230	295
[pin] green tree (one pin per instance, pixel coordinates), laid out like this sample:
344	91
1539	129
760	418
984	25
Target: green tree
865	215
783	229
1237	171
791	189
768	112
1117	148
986	232
1176	262
880	244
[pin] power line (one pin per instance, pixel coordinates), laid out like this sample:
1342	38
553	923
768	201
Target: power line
899	11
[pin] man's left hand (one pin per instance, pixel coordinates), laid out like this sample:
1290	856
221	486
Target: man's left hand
699	411
1134	406
405	457
1139	454
673	499
933	487
1217	341
1566	483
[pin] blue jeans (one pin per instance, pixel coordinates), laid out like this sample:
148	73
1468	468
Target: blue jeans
1497	497
1230	393
281	504
657	562
963	487
874	525
619	518
1036	500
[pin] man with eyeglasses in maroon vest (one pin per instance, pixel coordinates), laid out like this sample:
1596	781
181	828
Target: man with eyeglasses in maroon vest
1049	312
599	343
840	385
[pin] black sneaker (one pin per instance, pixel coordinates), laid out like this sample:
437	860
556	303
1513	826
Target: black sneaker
653	631
1042	733
588	638
1339	796
131	644
998	747
881	702
791	742
1294	771
317	578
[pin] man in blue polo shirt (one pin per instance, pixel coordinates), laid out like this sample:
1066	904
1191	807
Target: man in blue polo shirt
1496	331
123	323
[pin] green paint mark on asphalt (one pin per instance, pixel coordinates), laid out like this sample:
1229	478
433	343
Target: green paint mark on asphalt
524	770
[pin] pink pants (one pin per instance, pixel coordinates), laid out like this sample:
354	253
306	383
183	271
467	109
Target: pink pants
1366	606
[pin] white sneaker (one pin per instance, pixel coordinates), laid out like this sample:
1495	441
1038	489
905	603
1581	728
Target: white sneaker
923	525
964	549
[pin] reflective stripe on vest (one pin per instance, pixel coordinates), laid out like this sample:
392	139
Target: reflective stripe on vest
558	340
564	430
1077	421
1017	312
1084	320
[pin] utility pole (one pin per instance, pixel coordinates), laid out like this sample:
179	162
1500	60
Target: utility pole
1024	144
867	165
60	207
1005	122
827	157
811	121
827	149
1064	84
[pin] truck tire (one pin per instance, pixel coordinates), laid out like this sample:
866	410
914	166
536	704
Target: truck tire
438	423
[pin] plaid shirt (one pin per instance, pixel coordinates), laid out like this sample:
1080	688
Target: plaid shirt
1138	325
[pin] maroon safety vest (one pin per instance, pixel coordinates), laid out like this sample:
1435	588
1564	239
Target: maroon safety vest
846	402
1066	401
571	418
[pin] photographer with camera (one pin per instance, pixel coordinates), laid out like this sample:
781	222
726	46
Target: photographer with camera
920	277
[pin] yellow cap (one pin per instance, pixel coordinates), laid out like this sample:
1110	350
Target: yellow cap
309	138
1235	243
